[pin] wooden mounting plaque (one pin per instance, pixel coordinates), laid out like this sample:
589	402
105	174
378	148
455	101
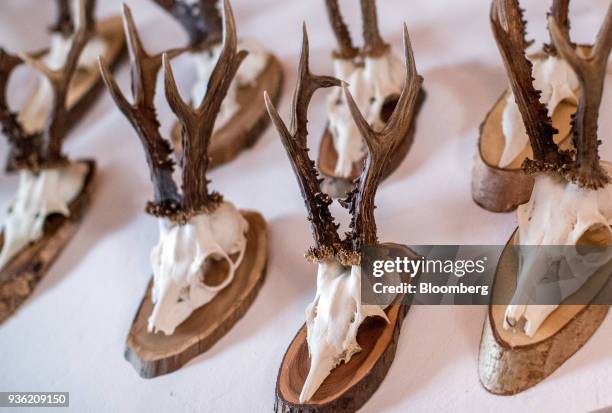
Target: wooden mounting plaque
503	189
155	354
350	385
23	273
244	129
510	362
338	187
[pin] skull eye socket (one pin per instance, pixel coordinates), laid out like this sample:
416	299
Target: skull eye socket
388	107
215	271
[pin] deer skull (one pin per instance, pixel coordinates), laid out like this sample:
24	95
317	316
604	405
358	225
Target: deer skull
332	321
181	258
558	214
39	195
372	82
558	83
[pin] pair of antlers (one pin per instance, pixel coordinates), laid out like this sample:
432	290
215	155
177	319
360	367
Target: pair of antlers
374	45
583	168
44	149
200	19
381	145
197	123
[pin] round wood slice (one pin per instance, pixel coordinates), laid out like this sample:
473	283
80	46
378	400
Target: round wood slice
155	354
503	189
510	361
87	84
338	187
248	124
21	275
350	385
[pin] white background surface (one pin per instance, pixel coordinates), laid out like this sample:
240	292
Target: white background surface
70	334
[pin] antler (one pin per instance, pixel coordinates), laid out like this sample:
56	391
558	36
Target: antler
591	73
197	124
64	23
324	229
142	115
381	146
509	31
374	45
560	12
346	50
55	128
201	20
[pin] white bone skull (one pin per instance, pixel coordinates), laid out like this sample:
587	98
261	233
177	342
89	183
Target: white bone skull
181	258
38	196
371	83
332	321
558	214
558	82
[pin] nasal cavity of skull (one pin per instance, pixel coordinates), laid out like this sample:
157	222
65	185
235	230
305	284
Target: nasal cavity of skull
215	270
51	221
388	107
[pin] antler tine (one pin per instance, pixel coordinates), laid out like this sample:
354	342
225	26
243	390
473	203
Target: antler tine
201	20
511	44
560	11
60	79
197	124
144	67
142	115
380	147
591	73
346	50
324	229
603	42
374	45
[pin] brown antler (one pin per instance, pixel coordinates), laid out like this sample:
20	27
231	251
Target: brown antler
324	229
142	115
374	45
591	71
201	20
56	125
381	146
346	50
560	12
509	31
197	124
64	23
